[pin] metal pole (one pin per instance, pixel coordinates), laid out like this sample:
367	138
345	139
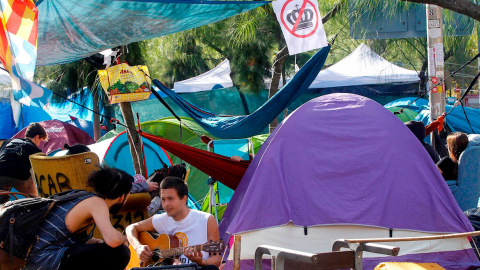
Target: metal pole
478	46
435	62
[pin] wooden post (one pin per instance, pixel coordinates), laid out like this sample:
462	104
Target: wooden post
237	245
133	138
277	72
96	117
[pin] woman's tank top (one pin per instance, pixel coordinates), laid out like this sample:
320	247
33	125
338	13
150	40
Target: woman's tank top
54	238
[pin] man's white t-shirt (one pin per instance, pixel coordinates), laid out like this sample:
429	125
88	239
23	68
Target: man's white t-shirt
192	230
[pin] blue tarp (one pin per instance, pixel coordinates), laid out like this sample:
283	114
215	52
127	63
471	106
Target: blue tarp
70	30
417	105
456	119
233	127
7	124
58	111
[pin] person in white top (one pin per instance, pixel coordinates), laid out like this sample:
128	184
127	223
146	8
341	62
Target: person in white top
190	226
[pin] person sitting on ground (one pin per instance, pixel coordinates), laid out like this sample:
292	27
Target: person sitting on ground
448	166
15	167
418	129
63	242
192	226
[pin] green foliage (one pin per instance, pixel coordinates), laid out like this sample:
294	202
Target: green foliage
66	79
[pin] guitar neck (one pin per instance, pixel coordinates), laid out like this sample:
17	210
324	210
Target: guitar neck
175	252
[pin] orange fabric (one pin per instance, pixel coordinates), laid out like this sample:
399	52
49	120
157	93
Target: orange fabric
20	18
437	124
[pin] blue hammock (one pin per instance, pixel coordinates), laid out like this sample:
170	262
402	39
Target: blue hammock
234	127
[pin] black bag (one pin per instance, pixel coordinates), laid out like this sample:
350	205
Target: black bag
177	170
20	219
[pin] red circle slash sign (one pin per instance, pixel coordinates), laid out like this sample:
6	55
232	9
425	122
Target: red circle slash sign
299	18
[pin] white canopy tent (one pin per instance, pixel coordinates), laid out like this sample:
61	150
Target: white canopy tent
363	67
218	77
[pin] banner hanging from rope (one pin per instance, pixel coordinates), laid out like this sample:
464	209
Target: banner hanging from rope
301	25
18	52
123	83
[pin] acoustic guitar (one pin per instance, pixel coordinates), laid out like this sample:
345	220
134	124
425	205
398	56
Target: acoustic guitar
166	248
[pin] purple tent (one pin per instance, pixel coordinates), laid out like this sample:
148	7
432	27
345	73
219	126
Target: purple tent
345	167
59	133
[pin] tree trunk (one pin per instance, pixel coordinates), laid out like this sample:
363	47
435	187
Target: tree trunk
277	73
96	118
133	138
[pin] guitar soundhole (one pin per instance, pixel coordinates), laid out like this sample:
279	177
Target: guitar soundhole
155	256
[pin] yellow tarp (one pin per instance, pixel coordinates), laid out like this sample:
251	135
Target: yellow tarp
408	266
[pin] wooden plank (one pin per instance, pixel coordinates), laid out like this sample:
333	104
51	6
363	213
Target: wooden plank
236	252
418	238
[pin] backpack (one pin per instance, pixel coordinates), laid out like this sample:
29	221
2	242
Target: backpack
19	222
14	158
178	170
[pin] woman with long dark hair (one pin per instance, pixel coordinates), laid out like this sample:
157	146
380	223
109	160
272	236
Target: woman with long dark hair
448	166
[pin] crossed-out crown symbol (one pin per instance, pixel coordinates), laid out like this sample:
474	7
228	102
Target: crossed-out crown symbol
305	21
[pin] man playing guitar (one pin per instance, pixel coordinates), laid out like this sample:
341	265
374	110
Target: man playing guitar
191	227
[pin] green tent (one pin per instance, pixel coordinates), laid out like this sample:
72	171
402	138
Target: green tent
407	114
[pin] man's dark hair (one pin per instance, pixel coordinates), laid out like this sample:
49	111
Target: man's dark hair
176	183
417	128
110	183
76	149
35	129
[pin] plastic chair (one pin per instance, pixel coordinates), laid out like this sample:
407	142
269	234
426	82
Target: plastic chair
466	189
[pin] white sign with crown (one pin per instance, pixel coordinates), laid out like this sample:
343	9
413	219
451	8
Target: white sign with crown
301	24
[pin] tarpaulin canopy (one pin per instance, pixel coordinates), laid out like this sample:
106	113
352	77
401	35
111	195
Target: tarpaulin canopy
233	127
219	167
216	78
69	30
